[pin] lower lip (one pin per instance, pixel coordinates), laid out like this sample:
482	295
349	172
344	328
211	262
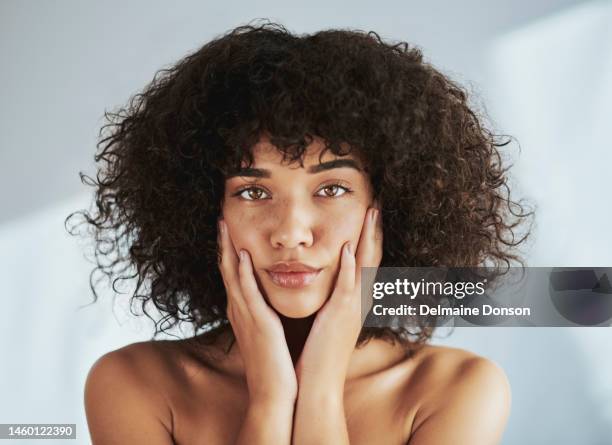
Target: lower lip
293	280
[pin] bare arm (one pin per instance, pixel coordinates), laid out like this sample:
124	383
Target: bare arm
473	409
267	423
323	364
320	418
270	376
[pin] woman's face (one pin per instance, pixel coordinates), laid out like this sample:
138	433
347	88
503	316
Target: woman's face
287	213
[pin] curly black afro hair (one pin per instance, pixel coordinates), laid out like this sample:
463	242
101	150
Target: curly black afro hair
163	159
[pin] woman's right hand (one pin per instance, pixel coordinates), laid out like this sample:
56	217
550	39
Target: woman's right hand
258	330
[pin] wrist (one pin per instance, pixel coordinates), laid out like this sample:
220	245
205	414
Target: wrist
321	380
321	395
270	402
267	421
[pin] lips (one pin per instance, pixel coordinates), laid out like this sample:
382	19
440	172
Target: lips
293	279
292	275
292	266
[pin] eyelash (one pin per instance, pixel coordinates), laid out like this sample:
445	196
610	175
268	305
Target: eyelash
335	184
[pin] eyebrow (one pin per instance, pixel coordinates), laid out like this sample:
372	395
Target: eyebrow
263	173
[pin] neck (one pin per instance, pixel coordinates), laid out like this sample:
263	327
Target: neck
296	333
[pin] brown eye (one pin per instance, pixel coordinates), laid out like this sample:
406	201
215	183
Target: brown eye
257	193
331	191
251	193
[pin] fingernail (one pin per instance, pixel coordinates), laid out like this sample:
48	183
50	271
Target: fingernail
242	255
349	248
222	226
373	215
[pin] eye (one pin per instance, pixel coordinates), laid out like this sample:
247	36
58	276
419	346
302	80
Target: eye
331	190
253	193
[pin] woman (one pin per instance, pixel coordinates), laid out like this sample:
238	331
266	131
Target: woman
248	184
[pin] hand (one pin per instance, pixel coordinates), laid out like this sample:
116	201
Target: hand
325	358
258	330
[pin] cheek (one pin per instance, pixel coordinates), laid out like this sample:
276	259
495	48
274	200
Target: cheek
237	222
345	228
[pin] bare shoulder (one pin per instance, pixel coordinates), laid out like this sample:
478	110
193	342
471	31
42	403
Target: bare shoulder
124	397
466	398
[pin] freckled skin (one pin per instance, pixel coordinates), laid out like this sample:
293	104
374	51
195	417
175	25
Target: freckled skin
294	220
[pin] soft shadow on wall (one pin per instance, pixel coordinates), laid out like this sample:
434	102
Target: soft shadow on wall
550	85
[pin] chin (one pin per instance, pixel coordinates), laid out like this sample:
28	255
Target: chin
299	302
296	304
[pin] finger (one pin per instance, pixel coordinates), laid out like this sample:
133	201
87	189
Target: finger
250	290
229	259
369	255
229	267
346	277
369	250
378	230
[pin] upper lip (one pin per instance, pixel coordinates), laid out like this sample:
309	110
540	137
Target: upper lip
292	266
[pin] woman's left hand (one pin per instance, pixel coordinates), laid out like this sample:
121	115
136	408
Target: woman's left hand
324	361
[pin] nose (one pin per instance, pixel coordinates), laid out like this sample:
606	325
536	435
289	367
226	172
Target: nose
293	226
